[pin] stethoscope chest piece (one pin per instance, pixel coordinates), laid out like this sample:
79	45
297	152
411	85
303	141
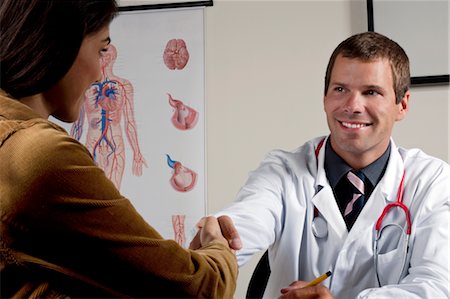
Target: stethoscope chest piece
319	227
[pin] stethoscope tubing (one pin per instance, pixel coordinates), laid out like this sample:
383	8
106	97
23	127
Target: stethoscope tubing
398	203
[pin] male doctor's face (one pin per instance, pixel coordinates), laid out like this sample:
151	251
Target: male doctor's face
361	109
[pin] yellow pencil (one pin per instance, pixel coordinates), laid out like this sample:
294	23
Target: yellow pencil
318	280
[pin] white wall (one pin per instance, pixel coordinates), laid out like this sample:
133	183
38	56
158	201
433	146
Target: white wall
265	64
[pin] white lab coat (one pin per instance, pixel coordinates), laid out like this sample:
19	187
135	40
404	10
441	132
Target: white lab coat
275	210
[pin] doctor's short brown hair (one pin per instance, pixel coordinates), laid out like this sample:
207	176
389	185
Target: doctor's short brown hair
368	46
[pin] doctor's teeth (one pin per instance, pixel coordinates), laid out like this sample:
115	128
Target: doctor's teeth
353	126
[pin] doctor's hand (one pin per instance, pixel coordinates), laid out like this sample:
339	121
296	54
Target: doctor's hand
209	231
298	290
227	229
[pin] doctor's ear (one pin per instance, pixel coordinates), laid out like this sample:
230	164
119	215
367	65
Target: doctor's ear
403	106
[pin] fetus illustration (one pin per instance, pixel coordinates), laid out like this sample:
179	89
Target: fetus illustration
178	229
176	54
106	102
184	117
183	179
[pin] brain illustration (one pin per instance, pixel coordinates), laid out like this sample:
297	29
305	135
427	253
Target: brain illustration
176	55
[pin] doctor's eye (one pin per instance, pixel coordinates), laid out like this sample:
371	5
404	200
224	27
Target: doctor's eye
371	92
339	89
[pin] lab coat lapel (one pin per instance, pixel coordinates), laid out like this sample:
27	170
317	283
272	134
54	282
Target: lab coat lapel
325	201
326	204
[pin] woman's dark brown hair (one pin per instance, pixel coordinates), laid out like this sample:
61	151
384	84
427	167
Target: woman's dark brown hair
40	39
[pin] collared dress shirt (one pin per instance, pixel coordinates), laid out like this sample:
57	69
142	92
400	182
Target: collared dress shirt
336	169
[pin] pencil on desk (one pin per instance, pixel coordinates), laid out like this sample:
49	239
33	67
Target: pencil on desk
318	280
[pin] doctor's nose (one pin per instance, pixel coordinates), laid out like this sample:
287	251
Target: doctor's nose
354	103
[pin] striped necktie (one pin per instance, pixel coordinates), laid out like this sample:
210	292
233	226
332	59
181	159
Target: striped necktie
356	203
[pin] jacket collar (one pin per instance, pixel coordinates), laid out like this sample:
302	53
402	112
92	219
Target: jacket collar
336	167
13	109
389	182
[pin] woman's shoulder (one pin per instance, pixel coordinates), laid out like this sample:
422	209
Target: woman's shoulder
41	142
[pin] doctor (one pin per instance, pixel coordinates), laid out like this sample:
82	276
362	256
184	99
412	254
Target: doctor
354	203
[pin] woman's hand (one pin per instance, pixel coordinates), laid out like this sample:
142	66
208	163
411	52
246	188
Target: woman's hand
209	228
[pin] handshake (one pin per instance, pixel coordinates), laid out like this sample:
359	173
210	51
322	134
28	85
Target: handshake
217	230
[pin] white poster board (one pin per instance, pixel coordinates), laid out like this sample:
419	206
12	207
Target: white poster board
421	27
144	122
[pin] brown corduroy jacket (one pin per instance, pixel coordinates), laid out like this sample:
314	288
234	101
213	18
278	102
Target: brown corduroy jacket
65	228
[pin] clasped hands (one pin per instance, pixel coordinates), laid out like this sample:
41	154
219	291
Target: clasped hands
222	229
216	229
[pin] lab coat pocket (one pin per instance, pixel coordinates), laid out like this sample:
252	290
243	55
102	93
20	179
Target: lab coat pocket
390	252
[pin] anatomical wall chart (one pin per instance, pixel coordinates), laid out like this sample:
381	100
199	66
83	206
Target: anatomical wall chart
144	123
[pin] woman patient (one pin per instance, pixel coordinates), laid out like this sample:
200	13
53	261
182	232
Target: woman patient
65	228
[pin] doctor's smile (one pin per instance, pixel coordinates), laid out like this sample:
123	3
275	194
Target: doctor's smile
352	125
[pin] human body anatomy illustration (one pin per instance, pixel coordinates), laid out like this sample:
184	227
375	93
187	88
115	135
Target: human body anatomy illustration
184	117
176	54
178	229
183	179
106	102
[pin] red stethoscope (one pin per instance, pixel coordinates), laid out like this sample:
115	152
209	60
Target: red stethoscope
320	230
